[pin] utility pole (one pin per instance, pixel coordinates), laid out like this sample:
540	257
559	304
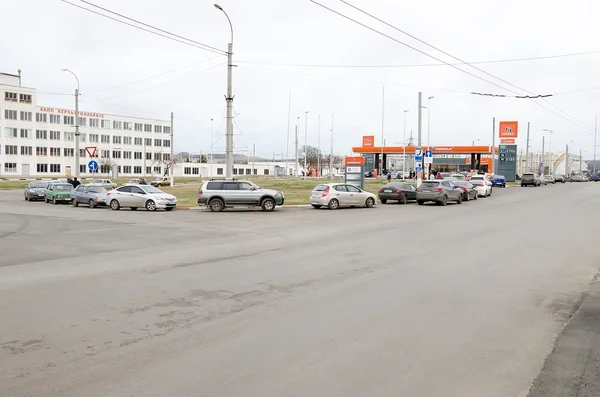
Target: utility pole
305	143
580	161
77	154
229	101
404	147
567	173
331	155
253	156
296	156
494	162
382	126
595	140
419	127
543	155
287	143
211	148
319	145
527	166
172	159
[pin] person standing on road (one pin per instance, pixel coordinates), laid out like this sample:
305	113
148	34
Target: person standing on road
432	175
75	183
389	177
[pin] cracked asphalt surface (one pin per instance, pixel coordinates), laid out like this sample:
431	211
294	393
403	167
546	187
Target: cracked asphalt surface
463	300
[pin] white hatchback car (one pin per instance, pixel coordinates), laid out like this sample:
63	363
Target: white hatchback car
140	196
482	187
336	195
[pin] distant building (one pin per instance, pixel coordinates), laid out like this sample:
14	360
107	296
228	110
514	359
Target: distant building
553	163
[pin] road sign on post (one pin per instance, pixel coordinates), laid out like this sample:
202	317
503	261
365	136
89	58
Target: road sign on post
428	157
355	171
93	165
91	151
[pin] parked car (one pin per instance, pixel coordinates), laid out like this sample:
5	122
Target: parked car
336	195
164	181
577	178
137	181
458	177
479	177
105	183
543	181
58	193
469	192
560	178
499	180
529	179
369	174
549	179
35	191
439	191
93	196
397	191
594	177
221	194
140	196
483	188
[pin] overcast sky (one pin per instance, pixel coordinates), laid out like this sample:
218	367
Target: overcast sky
42	36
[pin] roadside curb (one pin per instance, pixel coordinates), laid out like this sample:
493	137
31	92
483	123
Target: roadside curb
296	206
200	208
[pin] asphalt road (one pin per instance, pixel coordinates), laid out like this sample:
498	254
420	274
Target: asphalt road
464	300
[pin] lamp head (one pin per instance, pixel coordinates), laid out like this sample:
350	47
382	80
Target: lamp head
218	7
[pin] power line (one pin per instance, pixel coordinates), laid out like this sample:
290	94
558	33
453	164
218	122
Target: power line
460	60
151	77
188	42
424	64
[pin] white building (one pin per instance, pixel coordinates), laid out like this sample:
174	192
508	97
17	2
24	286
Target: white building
554	163
40	141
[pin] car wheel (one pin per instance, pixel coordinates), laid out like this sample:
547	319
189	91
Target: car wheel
268	205
334	204
420	202
75	203
444	200
216	205
403	199
383	201
316	206
133	208
169	209
150	205
92	203
466	197
46	200
475	198
459	201
54	201
114	205
490	193
370	203
26	198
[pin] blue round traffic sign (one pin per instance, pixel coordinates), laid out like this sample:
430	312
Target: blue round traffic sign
93	165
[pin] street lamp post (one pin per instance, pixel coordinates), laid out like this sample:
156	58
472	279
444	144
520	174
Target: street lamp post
305	142
428	130
77	157
211	148
229	101
549	138
404	145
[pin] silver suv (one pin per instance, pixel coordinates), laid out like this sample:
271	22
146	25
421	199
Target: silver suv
220	194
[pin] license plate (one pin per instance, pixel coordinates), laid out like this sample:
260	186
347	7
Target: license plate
387	190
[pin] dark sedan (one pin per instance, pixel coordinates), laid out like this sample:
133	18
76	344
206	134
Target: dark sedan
35	191
397	191
469	192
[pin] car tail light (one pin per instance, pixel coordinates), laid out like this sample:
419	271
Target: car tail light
325	193
438	189
97	199
108	194
418	189
200	192
399	191
464	189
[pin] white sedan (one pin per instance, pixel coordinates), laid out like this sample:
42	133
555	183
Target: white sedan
336	195
140	196
482	187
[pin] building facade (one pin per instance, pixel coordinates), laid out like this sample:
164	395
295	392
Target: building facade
553	163
40	141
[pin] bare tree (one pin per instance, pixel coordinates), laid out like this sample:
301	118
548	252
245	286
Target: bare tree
107	164
167	164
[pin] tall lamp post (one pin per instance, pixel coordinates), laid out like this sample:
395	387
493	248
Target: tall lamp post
305	142
404	145
229	101
76	123
428	131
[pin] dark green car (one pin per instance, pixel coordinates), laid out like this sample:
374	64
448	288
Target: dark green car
58	193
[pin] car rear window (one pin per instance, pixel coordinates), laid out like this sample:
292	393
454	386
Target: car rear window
528	175
214	186
38	184
430	184
320	188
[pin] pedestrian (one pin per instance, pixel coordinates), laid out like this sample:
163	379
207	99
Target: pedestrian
75	182
432	176
389	177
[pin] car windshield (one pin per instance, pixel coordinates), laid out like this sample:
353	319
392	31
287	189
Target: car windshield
477	183
499	177
393	185
37	185
320	188
96	189
62	186
151	189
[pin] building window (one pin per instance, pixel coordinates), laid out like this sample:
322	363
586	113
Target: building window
117	125
26	116
94	138
69	136
127	169
137	141
187	171
167	143
25	98
54	119
11	132
158	170
137	169
157	128
41	134
157	156
82	153
235	171
94	123
137	155
126	155
166	156
106	154
116	154
219	171
10	114
83	168
126	140
10	96
41	151
195	171
255	171
54	167
147	127
126	125
68	120
69	152
25	133
10	167
105	123
138	127
55	135
10	149
81	137
117	139
266	171
104	169
158	142
82	121
26	150
55	151
148	156
42	168
167	130
41	117
105	138
148	170
148	141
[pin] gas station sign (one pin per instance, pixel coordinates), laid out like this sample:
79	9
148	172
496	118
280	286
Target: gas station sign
355	171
